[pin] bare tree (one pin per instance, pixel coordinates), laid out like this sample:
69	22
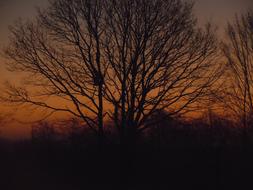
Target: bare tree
140	56
238	50
158	60
60	54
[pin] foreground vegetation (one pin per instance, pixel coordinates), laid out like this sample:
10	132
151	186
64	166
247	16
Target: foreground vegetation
172	155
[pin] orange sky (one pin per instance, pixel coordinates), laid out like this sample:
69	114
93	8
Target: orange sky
216	11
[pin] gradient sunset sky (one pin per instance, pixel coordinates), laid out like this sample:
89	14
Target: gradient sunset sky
216	11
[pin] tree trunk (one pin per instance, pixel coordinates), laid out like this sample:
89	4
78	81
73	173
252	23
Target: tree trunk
100	118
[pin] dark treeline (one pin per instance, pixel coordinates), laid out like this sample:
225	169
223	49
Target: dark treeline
209	130
173	154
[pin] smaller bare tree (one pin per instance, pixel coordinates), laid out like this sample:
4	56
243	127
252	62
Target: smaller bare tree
238	50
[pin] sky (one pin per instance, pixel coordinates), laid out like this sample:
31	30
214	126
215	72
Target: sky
220	11
216	11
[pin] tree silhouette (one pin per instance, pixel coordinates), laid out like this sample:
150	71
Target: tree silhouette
136	56
238	50
60	52
158	60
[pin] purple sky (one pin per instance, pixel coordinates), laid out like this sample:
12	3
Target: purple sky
217	11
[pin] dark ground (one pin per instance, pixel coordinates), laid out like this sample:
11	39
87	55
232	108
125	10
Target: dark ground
28	166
